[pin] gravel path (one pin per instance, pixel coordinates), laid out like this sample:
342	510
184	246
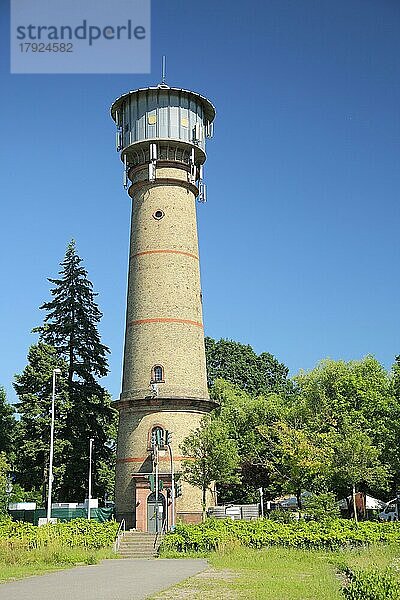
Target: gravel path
127	579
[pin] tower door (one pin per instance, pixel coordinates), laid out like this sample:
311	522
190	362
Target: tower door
153	513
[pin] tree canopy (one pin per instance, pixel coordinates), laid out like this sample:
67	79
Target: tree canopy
338	428
239	364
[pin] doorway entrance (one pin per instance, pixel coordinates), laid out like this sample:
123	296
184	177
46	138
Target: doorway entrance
153	514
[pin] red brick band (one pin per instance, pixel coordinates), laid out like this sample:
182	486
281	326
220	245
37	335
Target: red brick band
138	459
161	320
165	252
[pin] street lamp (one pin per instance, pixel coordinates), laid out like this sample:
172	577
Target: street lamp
168	435
55	372
9	489
90	476
261	491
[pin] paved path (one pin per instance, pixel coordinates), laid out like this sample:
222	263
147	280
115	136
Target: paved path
126	579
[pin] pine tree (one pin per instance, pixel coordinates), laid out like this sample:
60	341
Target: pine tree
70	326
34	390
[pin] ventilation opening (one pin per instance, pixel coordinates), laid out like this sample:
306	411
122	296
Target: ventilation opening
158	214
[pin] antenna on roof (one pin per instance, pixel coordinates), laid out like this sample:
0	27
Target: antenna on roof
163	83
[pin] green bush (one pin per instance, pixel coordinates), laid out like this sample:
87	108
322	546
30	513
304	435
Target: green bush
281	515
322	507
215	534
372	585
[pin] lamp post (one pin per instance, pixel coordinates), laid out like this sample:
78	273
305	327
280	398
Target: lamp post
9	489
90	476
156	458
169	441
55	372
261	491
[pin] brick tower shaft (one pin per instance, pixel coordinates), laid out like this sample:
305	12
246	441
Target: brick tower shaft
164	314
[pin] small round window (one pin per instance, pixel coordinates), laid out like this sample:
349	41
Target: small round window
158	214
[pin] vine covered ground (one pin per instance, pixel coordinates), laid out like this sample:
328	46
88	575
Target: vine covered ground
28	550
215	534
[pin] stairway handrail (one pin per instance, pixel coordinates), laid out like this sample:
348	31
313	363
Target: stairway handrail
160	534
119	535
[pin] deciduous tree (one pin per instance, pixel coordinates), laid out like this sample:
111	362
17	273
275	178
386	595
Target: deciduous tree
357	462
239	364
297	460
342	397
211	456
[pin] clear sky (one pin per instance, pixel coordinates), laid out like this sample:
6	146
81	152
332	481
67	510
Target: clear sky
299	239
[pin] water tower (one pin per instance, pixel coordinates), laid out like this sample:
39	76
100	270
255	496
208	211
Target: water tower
161	137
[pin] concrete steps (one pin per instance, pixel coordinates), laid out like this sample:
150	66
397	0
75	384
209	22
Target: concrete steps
137	544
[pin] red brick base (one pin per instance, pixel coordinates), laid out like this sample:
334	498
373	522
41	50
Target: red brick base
142	493
192	518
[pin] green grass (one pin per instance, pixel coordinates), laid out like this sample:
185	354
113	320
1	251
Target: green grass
12	572
16	563
279	574
372	556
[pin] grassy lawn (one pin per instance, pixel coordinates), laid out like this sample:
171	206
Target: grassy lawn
278	574
373	556
16	564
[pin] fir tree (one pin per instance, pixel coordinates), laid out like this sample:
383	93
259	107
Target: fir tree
71	322
70	326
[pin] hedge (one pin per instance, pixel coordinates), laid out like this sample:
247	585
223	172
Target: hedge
372	584
80	533
215	534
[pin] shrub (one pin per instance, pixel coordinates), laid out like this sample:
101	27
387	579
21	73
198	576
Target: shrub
322	507
372	585
282	516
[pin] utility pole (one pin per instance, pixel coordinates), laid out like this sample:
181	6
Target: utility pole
261	501
169	440
90	476
354	503
155	463
53	396
157	484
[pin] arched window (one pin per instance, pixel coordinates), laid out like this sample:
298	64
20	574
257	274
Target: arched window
158	435
157	374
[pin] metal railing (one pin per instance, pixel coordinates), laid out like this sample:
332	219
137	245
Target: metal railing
119	535
159	535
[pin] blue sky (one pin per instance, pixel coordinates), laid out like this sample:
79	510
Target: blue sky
299	239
